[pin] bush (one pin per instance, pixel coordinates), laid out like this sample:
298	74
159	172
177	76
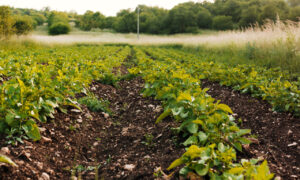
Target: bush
23	25
222	22
59	28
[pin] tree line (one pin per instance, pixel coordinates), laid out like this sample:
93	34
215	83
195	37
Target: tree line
190	17
186	17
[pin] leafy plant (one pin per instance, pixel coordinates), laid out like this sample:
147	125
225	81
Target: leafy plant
95	105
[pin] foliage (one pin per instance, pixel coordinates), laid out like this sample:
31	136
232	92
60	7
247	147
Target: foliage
211	134
23	25
59	28
35	88
222	22
58	23
91	20
94	104
273	85
7	160
6	23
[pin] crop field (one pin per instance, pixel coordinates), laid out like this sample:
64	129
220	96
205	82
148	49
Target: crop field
144	112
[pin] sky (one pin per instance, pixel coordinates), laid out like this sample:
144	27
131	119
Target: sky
106	7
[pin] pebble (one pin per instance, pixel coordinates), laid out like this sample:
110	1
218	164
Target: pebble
40	165
5	150
75	110
293	144
129	167
44	176
45	139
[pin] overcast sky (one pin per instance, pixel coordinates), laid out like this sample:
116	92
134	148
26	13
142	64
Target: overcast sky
107	7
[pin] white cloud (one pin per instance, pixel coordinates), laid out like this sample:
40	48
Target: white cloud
107	7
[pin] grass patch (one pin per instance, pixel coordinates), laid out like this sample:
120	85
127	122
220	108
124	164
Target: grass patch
95	105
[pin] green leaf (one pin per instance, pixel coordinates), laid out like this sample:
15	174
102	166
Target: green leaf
238	146
32	130
7	160
184	171
242	132
175	163
192	128
163	115
224	108
244	140
221	147
10	118
201	169
202	136
263	172
191	140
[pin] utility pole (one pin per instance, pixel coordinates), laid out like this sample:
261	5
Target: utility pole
138	22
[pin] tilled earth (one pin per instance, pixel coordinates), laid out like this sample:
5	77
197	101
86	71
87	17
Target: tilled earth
129	145
278	134
126	145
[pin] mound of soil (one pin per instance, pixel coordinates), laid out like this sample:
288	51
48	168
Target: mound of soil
278	134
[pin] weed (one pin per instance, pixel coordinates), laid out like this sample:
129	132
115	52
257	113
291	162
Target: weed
148	140
95	104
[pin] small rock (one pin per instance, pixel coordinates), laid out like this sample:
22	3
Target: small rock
50	171
75	110
42	129
129	167
79	120
105	115
290	132
147	157
95	144
293	144
88	115
45	139
40	165
26	154
5	150
277	178
44	176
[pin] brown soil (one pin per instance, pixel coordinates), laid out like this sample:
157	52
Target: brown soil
116	143
278	134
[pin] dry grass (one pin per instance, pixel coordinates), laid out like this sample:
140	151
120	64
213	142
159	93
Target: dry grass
268	34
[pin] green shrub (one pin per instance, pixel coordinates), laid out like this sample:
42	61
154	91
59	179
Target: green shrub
59	28
222	22
95	104
23	25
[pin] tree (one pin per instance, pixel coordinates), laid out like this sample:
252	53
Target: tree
294	3
204	19
222	22
56	17
91	20
295	13
6	23
23	25
125	21
59	28
182	17
249	16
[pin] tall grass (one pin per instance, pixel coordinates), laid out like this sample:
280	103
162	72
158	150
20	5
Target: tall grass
275	44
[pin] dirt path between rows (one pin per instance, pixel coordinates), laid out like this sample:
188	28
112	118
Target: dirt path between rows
125	145
278	133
